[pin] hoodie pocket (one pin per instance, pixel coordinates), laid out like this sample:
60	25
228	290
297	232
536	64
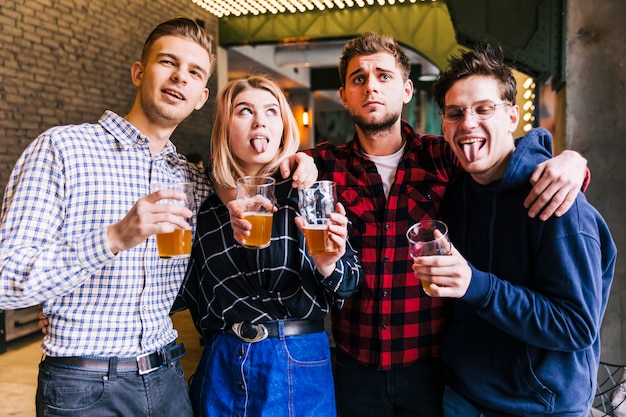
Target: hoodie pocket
537	388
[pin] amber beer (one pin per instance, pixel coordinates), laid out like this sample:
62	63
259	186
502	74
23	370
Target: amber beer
317	239
261	231
174	245
257	195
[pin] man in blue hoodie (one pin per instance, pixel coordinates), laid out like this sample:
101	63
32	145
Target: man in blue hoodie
529	296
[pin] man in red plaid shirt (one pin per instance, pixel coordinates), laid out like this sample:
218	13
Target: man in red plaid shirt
388	177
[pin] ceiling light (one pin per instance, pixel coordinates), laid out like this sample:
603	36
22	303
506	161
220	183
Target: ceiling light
222	8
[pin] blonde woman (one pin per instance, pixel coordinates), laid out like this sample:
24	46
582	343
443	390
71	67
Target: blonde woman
279	289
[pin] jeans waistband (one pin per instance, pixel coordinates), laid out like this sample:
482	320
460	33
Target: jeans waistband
143	364
252	333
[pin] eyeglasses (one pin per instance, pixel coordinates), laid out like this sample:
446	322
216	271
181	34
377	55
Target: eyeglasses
481	110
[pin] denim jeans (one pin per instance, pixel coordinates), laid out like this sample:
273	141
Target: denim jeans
288	377
73	393
456	406
364	391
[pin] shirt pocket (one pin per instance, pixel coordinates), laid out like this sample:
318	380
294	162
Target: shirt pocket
424	198
356	210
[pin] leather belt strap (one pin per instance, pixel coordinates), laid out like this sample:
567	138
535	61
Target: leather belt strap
144	364
252	333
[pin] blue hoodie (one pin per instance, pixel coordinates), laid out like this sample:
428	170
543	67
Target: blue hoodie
525	337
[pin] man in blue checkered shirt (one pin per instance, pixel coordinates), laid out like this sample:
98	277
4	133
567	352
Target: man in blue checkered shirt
76	235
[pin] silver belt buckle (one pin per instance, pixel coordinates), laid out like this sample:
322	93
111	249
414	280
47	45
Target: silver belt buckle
261	332
143	363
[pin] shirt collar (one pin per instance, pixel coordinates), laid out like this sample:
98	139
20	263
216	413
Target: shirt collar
409	137
128	135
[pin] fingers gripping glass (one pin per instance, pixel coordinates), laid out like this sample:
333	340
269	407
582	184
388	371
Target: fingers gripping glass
257	193
427	238
481	110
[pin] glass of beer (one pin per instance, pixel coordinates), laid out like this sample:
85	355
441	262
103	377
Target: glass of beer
258	195
176	244
427	238
316	203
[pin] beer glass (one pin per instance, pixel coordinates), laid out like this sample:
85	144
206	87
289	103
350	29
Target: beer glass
176	244
426	238
258	195
316	203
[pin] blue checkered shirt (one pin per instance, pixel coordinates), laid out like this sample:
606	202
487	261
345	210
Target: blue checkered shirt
66	188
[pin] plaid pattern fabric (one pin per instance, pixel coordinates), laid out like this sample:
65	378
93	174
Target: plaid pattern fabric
66	188
390	322
227	283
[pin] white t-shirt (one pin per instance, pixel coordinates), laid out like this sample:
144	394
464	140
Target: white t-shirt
387	166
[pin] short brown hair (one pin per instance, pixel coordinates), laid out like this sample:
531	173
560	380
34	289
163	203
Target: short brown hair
484	59
371	43
184	28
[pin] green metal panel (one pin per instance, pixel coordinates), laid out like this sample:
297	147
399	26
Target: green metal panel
425	27
531	32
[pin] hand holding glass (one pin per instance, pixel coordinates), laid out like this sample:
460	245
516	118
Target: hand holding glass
427	238
258	196
176	244
317	202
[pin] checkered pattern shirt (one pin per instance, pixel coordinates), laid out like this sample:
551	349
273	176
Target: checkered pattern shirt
227	283
390	322
66	188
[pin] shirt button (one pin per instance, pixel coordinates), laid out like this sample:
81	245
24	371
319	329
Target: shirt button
387	227
383	327
385	293
240	352
241	386
386	259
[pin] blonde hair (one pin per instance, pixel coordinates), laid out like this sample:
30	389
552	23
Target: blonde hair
226	168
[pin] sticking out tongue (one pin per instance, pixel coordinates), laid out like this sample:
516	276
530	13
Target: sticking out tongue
471	150
259	144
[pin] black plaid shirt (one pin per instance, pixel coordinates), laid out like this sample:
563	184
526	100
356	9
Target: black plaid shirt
390	322
226	283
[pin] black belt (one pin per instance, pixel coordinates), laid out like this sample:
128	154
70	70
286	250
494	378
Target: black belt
144	364
250	332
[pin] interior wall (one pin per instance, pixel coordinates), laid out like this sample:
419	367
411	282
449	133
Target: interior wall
67	61
595	99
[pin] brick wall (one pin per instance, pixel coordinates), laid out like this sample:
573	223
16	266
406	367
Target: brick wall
67	61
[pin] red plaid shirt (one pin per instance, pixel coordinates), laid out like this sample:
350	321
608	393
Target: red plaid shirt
390	322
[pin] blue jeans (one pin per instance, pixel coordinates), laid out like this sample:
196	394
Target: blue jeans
276	377
73	393
364	391
456	406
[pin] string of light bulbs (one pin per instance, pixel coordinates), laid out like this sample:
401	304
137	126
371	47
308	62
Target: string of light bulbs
222	8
